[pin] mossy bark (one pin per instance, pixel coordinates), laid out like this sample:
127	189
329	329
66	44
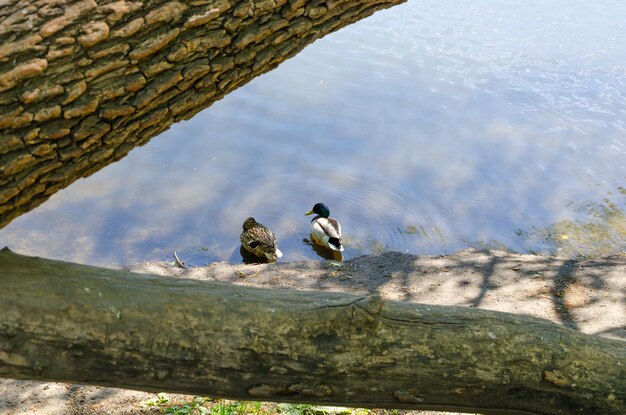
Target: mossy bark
73	323
83	82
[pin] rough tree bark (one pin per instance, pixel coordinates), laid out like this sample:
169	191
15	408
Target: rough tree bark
73	323
82	82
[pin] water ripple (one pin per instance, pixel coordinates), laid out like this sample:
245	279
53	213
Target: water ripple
374	218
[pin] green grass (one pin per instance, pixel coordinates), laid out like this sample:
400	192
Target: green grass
208	406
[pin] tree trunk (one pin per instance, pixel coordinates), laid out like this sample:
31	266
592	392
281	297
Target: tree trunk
83	82
73	323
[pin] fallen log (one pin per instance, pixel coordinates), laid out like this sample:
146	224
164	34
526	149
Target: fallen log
80	324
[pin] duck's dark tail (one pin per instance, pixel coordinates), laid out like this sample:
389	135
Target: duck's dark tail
335	244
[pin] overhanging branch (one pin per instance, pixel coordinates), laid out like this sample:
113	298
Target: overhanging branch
84	82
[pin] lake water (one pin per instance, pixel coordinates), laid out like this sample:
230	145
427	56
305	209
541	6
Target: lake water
427	128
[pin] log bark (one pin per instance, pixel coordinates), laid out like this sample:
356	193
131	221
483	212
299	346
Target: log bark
83	82
72	323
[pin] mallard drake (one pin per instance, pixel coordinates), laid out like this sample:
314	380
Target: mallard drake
258	240
325	231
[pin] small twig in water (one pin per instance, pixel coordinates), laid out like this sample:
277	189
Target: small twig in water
178	262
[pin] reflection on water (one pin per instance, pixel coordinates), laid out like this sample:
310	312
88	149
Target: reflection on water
426	128
249	258
324	252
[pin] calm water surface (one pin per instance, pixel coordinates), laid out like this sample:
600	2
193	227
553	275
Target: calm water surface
427	128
